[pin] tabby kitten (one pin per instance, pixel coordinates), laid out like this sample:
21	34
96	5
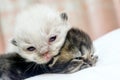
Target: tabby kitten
77	53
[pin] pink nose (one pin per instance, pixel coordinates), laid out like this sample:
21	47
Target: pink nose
46	55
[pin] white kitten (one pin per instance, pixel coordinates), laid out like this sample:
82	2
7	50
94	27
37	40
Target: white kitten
39	33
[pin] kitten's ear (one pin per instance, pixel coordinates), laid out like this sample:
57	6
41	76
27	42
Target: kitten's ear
13	41
64	16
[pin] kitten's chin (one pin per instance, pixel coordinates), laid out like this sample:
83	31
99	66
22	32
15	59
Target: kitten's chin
46	58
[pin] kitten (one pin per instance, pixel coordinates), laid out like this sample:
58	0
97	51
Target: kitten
39	33
77	53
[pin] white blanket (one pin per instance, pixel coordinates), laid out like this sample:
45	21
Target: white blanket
107	67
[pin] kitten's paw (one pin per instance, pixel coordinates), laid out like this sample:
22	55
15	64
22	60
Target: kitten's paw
85	65
75	63
73	66
94	60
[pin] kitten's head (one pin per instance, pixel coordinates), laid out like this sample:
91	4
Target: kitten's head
40	33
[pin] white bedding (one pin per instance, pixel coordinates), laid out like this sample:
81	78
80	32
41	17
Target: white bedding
107	67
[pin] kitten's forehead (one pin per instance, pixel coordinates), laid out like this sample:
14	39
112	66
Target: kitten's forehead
38	15
38	19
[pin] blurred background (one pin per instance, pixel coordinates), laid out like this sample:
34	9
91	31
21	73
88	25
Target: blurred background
96	17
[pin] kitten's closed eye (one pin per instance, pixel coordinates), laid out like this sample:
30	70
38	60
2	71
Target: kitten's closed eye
53	38
31	48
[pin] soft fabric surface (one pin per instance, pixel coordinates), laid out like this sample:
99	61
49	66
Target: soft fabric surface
107	67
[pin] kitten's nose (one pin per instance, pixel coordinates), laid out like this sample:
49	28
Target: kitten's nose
47	56
45	53
44	50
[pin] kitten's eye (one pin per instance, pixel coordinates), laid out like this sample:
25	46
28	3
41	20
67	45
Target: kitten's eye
53	38
31	48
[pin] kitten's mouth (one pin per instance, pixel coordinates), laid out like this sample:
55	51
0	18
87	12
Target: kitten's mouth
47	56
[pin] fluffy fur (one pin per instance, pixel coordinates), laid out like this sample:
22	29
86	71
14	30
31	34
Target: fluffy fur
34	27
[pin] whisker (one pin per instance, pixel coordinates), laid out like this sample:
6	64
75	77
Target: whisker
29	67
41	68
34	68
37	67
44	68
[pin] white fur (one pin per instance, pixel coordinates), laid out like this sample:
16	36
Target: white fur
34	27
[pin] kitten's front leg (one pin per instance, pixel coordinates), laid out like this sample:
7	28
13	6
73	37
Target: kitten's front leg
75	65
93	60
